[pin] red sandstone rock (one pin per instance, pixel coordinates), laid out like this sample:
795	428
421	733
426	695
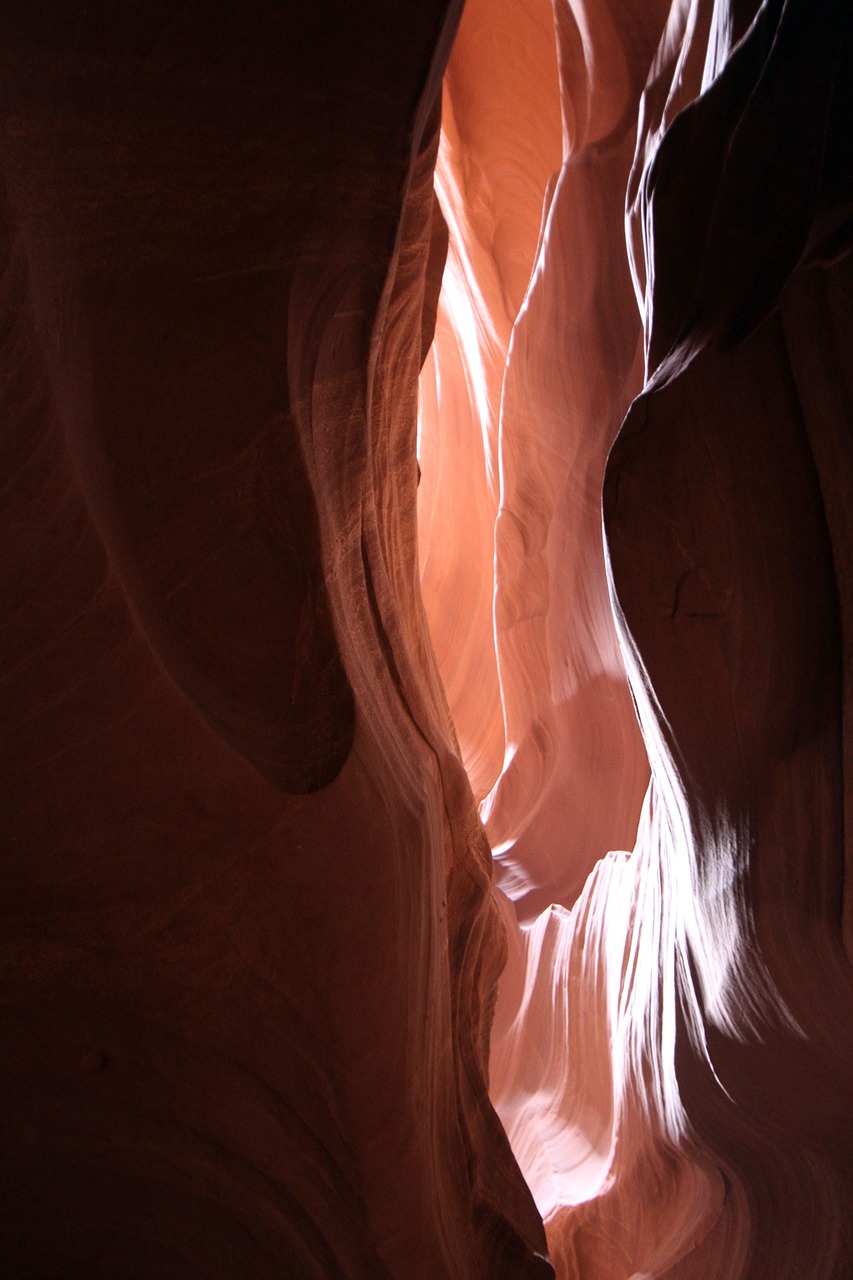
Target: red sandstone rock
250	942
249	951
671	1055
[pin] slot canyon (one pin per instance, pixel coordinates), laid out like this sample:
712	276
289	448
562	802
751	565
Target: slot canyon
427	662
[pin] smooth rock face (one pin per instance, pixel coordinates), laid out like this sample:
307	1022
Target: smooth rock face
249	953
279	615
672	1055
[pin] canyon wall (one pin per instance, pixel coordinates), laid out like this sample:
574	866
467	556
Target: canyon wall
249	950
671	1055
426	433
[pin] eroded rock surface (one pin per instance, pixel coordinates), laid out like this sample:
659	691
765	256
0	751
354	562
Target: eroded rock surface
248	947
257	679
671	1054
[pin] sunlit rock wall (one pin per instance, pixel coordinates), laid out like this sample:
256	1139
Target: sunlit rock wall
672	1054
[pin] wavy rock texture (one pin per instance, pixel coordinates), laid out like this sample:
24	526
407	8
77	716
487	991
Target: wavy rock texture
672	1054
249	953
250	942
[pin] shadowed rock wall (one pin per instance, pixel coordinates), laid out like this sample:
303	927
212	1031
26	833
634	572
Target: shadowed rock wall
248	949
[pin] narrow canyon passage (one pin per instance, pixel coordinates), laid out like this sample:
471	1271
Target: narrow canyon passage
514	433
426	662
623	965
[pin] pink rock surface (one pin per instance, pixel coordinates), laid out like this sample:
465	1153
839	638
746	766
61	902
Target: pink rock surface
671	1054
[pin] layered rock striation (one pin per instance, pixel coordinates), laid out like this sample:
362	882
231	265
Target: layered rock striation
248	944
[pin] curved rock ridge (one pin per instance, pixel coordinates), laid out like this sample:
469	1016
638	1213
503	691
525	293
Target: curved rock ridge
249	953
671	1054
